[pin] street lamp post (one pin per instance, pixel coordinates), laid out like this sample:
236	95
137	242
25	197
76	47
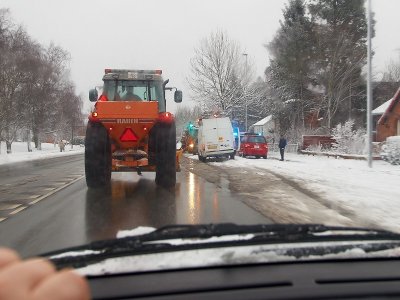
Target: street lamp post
369	88
245	96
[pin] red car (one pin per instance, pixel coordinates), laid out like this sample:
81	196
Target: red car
253	145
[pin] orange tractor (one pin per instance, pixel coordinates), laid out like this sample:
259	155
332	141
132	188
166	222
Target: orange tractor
130	129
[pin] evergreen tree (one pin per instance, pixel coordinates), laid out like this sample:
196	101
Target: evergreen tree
289	71
341	31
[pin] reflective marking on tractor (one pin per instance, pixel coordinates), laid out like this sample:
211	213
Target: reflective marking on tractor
108	120
146	120
127	121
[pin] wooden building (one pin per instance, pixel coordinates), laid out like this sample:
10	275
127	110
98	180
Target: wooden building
389	122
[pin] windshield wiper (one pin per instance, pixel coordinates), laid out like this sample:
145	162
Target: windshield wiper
196	237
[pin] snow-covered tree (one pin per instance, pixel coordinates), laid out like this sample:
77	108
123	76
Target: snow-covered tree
391	150
347	139
340	54
219	74
316	58
289	73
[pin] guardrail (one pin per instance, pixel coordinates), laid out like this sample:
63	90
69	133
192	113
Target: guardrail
335	155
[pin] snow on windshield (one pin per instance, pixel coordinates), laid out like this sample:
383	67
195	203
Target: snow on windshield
228	256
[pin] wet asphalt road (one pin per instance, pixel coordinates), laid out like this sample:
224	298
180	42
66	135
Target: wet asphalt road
46	205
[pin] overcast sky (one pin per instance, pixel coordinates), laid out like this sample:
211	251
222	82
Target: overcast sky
161	34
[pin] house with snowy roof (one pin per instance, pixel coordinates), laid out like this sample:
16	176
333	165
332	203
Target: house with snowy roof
387	118
265	127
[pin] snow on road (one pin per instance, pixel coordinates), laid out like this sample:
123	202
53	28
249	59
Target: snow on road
368	194
20	152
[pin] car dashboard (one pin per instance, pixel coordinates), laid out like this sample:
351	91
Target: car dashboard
335	279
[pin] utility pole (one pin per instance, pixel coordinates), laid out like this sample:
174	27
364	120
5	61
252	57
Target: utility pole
369	89
245	96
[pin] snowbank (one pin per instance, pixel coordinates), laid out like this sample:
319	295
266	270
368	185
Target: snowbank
20	152
372	194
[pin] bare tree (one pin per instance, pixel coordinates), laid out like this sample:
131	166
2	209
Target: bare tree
392	72
50	81
184	115
35	90
218	73
15	45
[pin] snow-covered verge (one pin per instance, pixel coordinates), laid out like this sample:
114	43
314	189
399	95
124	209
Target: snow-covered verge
391	150
350	186
20	152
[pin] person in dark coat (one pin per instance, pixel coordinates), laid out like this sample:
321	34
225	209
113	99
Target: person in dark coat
282	146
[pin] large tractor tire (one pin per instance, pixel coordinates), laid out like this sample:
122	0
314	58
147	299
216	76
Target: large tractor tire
97	156
165	155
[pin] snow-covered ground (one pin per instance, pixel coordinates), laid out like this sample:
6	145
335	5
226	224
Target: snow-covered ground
20	152
370	194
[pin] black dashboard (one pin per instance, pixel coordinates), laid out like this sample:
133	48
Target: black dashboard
341	279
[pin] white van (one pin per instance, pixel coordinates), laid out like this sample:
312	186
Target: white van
215	138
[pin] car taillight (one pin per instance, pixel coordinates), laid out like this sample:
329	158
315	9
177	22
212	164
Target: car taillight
165	117
128	136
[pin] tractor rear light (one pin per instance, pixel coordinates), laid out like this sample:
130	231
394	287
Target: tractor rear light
103	98
128	136
165	117
106	71
93	117
159	72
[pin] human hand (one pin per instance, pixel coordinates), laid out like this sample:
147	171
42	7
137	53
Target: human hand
37	279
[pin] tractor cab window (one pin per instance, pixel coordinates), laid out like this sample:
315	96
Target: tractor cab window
134	90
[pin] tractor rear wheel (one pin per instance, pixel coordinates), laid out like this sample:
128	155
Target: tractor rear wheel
97	156
165	155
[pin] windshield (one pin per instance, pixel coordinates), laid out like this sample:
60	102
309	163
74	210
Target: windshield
134	90
254	139
102	106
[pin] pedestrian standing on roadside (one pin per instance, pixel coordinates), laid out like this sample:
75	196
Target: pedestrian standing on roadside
282	146
61	144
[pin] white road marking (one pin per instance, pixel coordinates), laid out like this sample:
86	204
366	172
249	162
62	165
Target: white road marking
18	210
59	182
49	189
7	206
40	198
56	190
34	201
